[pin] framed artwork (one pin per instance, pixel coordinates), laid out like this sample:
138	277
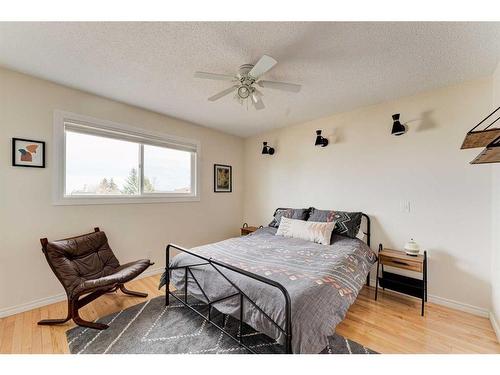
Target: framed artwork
28	153
223	178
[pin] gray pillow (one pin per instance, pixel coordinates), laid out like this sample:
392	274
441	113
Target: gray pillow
347	223
291	213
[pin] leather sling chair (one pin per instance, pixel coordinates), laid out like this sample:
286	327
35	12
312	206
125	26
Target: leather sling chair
87	268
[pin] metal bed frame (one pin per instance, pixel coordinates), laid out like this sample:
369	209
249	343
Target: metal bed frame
216	265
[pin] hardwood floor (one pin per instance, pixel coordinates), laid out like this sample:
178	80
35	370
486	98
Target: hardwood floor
390	325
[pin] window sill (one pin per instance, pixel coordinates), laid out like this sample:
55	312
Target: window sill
84	201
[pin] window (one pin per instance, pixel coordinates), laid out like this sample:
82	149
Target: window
166	170
102	162
100	166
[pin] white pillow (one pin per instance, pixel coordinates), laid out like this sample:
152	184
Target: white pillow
307	230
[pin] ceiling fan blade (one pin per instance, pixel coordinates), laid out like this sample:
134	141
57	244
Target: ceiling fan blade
223	93
259	93
292	87
216	76
257	101
263	65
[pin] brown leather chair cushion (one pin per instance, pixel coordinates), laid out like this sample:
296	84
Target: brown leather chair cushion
120	275
87	263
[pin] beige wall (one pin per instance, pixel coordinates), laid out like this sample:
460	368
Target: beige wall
134	230
495	270
367	169
364	168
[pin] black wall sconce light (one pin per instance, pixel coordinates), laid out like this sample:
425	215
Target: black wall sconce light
320	140
397	127
267	150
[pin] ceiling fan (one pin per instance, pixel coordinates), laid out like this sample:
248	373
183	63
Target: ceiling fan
246	78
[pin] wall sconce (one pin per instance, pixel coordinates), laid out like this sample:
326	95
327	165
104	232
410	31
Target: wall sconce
320	141
397	127
267	150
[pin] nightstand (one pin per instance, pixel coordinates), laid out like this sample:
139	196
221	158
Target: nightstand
399	283
245	229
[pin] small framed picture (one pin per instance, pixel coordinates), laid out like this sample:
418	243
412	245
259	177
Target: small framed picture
223	178
28	153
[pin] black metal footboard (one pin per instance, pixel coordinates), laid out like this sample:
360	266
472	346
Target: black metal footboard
216	265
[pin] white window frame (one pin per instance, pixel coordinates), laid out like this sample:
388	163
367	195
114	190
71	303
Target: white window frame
122	131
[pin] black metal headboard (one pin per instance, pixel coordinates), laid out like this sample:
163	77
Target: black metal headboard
367	233
368	228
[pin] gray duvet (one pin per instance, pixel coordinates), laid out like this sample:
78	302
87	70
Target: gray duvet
323	282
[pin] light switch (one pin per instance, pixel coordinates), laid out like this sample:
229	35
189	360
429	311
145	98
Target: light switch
405	207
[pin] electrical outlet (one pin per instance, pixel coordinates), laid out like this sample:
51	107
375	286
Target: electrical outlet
405	207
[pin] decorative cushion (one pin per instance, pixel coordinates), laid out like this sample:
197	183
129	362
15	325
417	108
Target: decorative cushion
291	213
346	223
306	230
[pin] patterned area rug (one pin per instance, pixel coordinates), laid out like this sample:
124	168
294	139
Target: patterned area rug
151	328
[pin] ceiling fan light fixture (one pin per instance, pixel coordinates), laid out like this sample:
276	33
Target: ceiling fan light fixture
246	80
244	91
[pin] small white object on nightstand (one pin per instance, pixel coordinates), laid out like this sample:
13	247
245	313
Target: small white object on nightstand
412	248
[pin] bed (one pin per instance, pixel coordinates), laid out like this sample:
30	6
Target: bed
292	290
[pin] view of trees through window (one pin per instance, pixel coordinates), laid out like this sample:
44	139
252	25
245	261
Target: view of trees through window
130	187
105	166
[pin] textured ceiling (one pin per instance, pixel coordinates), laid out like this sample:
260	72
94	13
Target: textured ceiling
341	66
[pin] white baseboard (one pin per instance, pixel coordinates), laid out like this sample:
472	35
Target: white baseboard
151	272
57	298
479	311
452	304
494	324
32	305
